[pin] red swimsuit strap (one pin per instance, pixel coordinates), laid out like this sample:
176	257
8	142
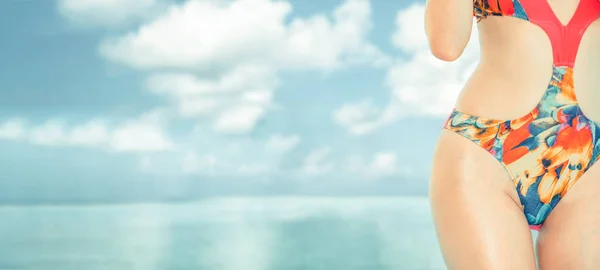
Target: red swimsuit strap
565	39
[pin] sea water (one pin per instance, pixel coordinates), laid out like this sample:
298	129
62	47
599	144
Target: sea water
239	233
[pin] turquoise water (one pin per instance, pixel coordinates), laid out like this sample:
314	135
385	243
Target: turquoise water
281	233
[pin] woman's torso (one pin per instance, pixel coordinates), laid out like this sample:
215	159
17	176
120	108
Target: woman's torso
516	67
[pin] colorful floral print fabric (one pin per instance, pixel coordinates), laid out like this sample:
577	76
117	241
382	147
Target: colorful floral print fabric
546	151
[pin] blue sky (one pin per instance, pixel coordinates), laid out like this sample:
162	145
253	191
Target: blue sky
159	99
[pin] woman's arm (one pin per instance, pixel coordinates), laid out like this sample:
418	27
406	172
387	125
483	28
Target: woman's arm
448	27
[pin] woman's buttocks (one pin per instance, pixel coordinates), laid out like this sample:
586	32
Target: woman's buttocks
514	70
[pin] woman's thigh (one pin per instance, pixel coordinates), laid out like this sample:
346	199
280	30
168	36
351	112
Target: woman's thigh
479	220
570	236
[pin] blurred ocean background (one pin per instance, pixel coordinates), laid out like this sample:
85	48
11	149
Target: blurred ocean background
235	233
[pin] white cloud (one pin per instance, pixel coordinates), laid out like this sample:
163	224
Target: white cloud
236	80
219	62
52	132
254	169
107	12
239	119
409	35
384	162
380	164
138	135
92	133
420	86
220	164
12	129
263	158
318	161
217	34
239	47
238	156
145	133
234	102
279	143
55	132
321	161
193	163
359	117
